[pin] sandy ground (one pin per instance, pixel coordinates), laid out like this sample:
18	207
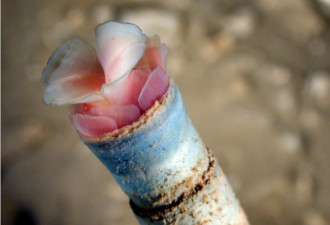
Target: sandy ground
255	76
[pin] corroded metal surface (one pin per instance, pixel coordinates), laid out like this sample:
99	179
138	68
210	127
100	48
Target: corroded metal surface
162	164
209	201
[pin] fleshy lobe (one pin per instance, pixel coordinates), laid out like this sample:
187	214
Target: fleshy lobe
112	86
73	74
92	126
155	87
119	48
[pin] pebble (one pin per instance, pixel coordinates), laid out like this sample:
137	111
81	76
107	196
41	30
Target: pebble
240	87
320	85
291	142
313	217
285	103
156	21
290	14
254	117
214	47
240	24
274	6
271	5
274	75
326	2
268	187
324	5
75	18
182	4
318	89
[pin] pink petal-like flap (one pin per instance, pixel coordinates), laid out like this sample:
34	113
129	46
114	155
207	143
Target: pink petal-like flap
93	126
122	114
73	74
119	47
126	91
155	87
155	52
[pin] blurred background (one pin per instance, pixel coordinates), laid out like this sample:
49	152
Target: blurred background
255	77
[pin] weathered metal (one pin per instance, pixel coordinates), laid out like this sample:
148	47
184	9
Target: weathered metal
162	164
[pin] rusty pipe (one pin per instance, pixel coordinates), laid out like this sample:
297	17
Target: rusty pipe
143	136
170	176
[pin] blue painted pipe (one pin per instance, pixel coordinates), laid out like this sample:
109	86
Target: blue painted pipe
161	163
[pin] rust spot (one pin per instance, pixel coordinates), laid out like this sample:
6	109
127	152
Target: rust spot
229	202
193	214
206	222
204	199
162	212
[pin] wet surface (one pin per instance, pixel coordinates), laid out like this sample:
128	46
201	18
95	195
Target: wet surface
255	77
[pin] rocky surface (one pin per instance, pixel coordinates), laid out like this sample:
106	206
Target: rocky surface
255	77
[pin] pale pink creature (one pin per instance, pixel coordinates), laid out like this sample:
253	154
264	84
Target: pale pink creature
111	87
